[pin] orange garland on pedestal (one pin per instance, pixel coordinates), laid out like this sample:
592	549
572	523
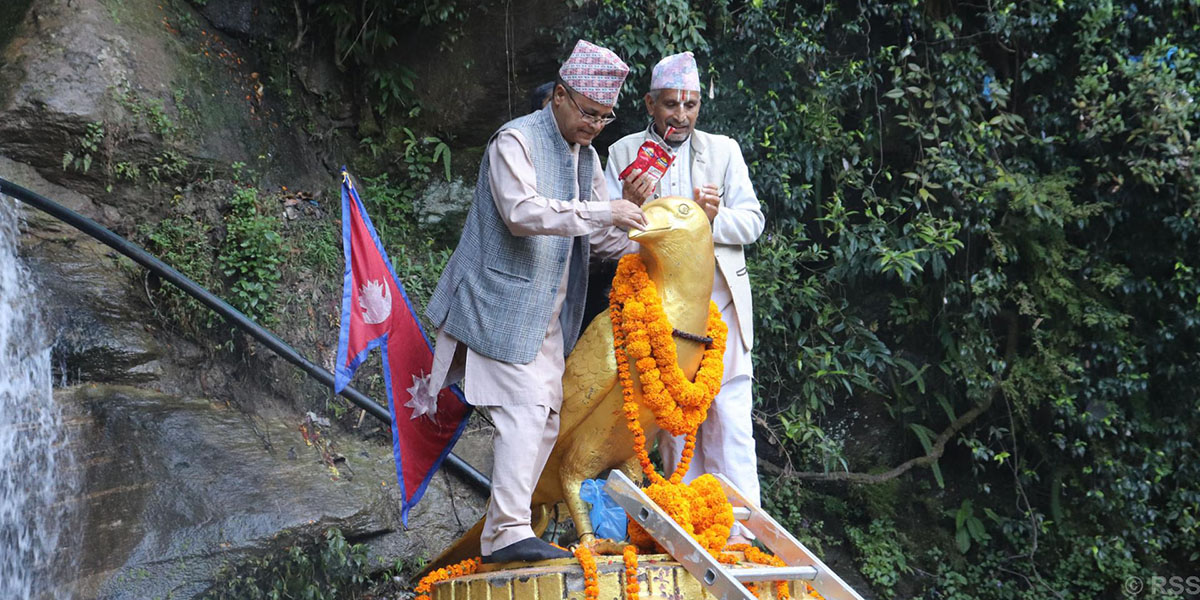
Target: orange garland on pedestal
465	567
631	573
591	579
753	554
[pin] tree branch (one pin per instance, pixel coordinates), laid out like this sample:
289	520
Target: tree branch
939	446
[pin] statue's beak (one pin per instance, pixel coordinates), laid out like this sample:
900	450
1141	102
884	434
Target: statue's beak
657	220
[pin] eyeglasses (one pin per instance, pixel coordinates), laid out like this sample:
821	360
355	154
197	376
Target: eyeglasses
591	119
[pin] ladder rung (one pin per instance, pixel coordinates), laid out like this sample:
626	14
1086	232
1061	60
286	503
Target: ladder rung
741	513
774	574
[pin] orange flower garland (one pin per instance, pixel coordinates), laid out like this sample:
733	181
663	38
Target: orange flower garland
753	554
642	333
631	573
591	579
460	569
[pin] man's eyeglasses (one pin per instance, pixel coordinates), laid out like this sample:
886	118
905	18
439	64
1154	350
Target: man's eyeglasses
591	119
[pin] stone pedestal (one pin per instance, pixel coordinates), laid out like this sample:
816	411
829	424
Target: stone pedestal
659	578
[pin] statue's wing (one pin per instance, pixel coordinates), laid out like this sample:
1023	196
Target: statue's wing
590	375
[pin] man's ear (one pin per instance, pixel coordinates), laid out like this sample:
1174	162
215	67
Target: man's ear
649	99
559	95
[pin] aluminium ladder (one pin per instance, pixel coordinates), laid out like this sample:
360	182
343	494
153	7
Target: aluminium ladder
717	579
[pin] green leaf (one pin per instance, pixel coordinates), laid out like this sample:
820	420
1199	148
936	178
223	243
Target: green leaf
962	540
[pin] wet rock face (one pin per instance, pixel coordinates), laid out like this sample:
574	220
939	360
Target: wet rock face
87	294
75	64
173	482
173	488
232	16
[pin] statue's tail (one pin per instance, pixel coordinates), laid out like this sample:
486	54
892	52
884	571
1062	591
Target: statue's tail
467	545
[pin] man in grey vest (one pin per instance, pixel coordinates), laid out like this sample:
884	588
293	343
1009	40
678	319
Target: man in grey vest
709	169
509	305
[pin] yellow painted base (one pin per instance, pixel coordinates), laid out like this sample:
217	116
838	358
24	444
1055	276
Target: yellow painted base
659	578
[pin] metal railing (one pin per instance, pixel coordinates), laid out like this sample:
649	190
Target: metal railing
232	315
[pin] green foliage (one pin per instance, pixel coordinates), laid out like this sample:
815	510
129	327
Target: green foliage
332	570
151	112
250	257
968	528
183	243
794	508
880	555
167	165
985	212
419	266
392	208
89	144
321	249
364	35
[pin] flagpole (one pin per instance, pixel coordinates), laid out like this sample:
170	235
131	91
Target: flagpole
232	315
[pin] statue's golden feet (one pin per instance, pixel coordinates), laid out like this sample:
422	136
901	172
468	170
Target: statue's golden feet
602	546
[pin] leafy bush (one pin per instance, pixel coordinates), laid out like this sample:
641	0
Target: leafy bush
333	570
881	557
250	257
183	243
981	217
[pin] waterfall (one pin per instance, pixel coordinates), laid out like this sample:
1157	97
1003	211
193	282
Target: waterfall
33	460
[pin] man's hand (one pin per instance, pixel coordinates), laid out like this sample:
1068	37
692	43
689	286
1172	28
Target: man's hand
627	215
636	187
708	199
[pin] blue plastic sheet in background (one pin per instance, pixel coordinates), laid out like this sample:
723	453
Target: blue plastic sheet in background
608	518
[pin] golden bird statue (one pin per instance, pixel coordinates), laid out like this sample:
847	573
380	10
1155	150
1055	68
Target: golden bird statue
593	437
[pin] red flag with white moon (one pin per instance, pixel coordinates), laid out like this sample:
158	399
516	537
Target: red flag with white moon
377	313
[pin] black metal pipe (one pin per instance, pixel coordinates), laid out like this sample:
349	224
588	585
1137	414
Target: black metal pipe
229	313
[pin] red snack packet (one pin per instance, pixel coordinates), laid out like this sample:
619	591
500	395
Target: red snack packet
653	159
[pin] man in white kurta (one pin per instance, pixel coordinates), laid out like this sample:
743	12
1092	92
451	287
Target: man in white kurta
524	397
710	170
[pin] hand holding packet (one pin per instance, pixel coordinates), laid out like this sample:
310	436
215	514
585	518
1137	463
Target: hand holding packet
652	158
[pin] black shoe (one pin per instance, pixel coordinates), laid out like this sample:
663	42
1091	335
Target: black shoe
527	550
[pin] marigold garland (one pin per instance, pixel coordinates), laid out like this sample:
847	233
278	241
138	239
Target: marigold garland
591	579
631	572
460	569
642	334
812	592
753	554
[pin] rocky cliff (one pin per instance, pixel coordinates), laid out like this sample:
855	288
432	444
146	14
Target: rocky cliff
194	448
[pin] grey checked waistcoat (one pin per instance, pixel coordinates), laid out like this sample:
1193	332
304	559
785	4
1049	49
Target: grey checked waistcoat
497	292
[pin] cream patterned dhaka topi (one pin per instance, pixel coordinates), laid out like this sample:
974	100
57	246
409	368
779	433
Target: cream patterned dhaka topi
595	72
676	72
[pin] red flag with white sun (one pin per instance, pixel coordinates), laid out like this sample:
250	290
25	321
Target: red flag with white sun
377	313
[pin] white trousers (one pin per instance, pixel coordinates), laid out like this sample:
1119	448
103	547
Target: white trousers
524	437
724	443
